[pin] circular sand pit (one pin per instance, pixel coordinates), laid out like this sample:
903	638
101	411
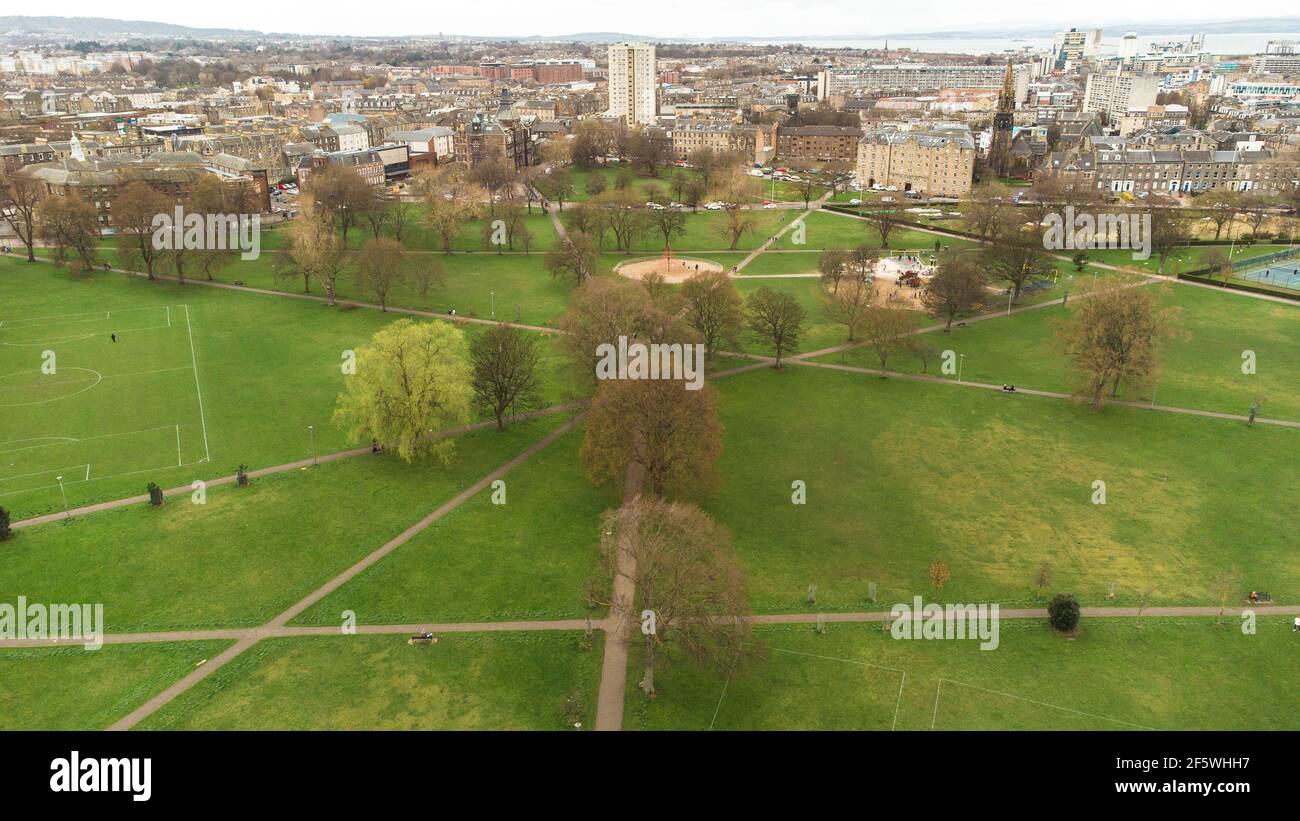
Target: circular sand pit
679	269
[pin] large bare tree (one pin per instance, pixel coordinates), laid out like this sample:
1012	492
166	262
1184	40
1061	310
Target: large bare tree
957	288
689	585
1112	335
19	196
671	432
505	361
777	318
714	308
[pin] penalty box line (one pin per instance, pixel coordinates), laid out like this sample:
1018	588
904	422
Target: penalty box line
934	720
898	701
91	316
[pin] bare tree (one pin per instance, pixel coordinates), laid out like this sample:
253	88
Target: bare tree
574	258
505	361
688	582
70	226
885	326
714	308
669	431
382	265
778	318
1226	582
848	304
1113	335
19	196
957	288
134	210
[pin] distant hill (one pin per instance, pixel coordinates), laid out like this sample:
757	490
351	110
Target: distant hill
103	27
92	28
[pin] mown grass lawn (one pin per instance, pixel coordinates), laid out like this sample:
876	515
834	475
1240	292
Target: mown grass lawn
1202	371
252	353
1167	674
528	558
483	681
70	688
831	230
247	553
901	474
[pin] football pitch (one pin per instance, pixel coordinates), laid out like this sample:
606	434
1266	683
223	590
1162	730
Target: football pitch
95	395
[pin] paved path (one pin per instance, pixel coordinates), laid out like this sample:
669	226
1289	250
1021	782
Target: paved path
618	635
267	471
613	623
772	239
919	377
247	641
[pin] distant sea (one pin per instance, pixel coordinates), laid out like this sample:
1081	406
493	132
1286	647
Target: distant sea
1237	43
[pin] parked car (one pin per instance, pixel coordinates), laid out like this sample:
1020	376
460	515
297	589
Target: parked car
855	201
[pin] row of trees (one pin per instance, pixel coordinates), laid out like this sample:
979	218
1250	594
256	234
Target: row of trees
689	588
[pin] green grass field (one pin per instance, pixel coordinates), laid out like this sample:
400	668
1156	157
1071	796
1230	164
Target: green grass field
497	681
1202	371
1166	674
247	553
70	688
900	474
117	415
526	559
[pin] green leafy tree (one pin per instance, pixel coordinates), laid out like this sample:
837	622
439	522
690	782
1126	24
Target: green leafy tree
412	380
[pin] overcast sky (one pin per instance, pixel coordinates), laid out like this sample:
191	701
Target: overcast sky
691	18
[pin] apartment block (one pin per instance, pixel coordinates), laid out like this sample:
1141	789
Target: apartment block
632	83
936	163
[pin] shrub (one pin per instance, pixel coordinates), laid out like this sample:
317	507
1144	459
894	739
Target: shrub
155	494
1063	612
6	532
241	475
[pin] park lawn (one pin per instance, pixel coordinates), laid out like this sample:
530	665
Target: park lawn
475	284
252	352
1202	371
642	184
1185	258
826	229
783	262
818	332
901	474
526	559
247	553
71	688
704	232
1167	674
466	681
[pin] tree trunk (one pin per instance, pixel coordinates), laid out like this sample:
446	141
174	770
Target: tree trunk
648	678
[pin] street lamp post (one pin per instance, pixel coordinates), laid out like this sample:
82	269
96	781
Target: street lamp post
961	360
311	429
493	295
67	514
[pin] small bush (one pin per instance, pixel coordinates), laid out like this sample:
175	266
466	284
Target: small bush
155	494
241	475
6	532
1063	612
